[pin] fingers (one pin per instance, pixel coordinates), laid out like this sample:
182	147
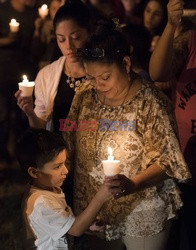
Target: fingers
23	102
17	94
119	194
175	11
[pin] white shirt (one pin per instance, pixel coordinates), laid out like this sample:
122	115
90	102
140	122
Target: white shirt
50	219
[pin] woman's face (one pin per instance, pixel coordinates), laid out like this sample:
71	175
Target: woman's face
129	5
108	79
153	15
54	6
70	36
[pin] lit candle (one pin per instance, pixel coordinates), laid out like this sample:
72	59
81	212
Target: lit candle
26	87
25	79
14	25
111	166
43	11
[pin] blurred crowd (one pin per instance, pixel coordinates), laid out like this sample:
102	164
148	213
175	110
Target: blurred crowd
34	45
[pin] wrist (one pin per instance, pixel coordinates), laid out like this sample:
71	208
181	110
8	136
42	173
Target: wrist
31	115
171	26
101	196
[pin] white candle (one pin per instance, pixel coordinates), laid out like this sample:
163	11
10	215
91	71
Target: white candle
26	87
14	25
43	11
111	166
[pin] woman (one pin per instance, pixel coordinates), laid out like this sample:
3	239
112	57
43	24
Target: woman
123	112
45	47
55	84
132	11
154	19
174	60
15	57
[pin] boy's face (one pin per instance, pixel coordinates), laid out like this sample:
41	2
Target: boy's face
54	172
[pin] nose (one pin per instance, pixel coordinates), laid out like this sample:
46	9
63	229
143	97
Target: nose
151	17
98	85
64	170
69	44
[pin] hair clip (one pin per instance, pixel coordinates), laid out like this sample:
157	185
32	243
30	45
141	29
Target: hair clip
90	52
117	24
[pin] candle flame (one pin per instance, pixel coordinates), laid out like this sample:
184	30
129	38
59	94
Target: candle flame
110	151
24	77
13	21
44	7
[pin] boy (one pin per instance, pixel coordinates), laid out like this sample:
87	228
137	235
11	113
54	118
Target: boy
42	155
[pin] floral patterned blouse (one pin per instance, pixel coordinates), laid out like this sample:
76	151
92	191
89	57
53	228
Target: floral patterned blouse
141	132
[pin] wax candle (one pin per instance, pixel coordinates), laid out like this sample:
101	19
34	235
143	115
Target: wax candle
43	11
26	86
111	166
14	25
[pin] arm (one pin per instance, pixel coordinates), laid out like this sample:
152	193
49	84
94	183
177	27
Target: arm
145	179
26	105
149	177
85	219
36	122
8	40
162	158
162	58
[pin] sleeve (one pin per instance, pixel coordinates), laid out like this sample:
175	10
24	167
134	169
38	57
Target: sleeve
40	99
161	145
50	218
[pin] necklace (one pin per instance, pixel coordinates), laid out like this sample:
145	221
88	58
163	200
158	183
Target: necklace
74	83
103	108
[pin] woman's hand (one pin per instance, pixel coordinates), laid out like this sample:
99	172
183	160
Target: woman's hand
175	12
25	103
124	185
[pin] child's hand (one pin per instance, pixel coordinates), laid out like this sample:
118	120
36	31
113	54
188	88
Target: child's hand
108	189
98	225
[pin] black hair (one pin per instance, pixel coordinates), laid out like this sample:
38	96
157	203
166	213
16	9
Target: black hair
140	40
163	4
73	10
107	44
37	147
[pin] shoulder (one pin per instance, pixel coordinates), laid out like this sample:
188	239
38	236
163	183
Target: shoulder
53	66
85	90
50	70
154	97
42	200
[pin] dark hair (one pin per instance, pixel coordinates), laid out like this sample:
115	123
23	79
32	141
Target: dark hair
73	10
37	147
163	4
140	40
106	44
